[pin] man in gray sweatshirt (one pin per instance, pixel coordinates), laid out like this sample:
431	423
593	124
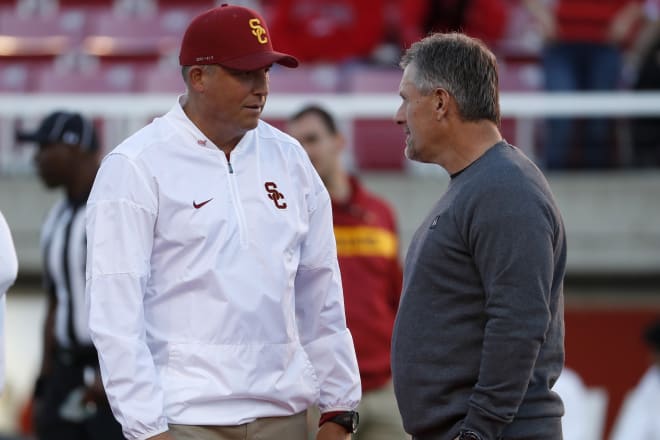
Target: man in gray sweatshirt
479	337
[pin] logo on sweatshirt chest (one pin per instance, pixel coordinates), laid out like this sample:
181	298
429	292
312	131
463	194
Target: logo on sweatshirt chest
276	196
200	204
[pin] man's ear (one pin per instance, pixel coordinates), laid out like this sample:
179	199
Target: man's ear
442	100
196	78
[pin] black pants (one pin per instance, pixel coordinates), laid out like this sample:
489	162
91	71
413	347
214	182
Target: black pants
49	424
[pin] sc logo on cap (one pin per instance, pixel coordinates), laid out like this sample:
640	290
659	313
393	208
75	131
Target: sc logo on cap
258	30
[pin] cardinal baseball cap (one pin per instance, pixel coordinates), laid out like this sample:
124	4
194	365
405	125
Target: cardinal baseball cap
231	36
63	127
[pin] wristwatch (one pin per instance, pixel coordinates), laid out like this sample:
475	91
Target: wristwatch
349	420
468	435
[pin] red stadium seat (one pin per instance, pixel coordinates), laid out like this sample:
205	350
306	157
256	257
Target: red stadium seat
520	77
114	79
378	144
115	37
15	77
7	5
39	37
207	4
304	79
86	3
373	80
161	79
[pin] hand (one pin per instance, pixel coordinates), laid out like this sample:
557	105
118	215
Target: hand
332	431
623	22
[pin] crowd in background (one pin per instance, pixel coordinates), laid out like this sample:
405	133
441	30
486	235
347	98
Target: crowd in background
576	45
583	45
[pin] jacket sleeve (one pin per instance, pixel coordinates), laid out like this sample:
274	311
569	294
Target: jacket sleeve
320	311
121	214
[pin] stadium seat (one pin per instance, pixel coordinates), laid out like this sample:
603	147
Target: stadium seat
373	80
119	38
7	5
304	79
63	4
114	79
39	37
15	77
202	5
520	77
161	79
378	144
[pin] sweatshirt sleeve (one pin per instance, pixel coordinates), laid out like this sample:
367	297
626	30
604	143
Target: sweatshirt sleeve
121	214
320	311
511	239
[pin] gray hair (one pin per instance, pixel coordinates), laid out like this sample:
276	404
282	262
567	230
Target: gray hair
461	65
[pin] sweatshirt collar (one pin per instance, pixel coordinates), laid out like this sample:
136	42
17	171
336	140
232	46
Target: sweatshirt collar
181	120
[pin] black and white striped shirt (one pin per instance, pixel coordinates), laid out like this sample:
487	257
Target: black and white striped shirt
64	251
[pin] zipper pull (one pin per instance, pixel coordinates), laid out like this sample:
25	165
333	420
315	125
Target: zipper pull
231	170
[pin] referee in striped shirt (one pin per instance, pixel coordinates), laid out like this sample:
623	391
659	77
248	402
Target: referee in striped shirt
69	401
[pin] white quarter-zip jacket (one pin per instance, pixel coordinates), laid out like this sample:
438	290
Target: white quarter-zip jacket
213	287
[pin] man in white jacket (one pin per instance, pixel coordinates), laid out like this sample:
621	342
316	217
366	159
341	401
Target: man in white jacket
8	272
639	418
212	279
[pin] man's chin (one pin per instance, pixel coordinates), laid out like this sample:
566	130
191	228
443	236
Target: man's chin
409	153
251	124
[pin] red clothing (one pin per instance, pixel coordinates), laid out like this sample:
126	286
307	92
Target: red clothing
327	30
587	20
483	19
367	247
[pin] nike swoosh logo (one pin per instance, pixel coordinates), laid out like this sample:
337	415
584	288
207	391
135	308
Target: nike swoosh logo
199	205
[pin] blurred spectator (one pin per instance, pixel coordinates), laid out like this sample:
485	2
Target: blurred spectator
639	418
584	43
573	393
483	19
645	131
367	248
327	30
69	400
8	271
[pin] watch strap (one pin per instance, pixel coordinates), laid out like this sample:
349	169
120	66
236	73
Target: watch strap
469	435
346	419
326	417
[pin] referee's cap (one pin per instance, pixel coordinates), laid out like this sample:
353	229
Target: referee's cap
63	127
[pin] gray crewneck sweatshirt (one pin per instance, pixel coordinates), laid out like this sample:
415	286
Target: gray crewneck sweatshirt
479	336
